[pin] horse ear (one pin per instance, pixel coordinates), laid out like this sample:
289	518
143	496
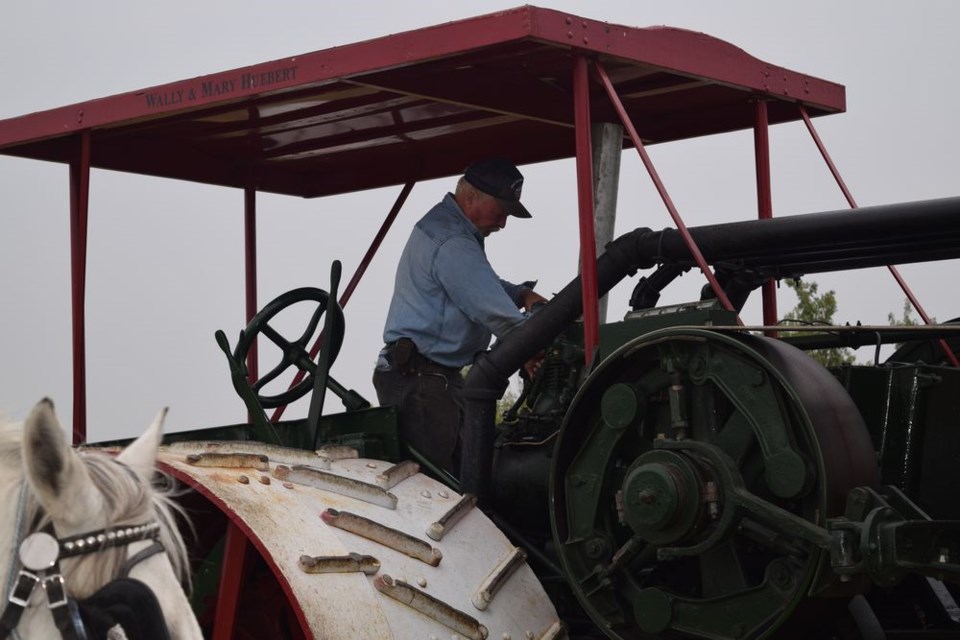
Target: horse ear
141	454
53	469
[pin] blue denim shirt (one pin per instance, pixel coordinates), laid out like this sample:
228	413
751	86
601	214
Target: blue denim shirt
446	296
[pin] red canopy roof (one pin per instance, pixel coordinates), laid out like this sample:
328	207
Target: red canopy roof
420	104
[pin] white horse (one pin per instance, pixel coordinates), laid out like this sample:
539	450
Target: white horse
98	513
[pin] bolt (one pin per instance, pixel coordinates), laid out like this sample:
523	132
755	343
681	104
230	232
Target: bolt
596	547
647	496
780	575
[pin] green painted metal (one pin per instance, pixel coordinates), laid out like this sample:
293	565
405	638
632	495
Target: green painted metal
684	500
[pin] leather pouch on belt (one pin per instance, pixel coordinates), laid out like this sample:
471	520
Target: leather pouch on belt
403	355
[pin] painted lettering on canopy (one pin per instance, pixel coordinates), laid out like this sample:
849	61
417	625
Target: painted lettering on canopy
204	89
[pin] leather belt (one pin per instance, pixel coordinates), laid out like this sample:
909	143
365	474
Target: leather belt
404	355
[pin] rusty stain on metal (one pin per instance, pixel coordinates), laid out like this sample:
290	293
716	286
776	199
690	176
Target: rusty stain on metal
397	473
333	452
396	540
431	607
256	461
498	577
441	527
313	477
351	563
555	632
278	452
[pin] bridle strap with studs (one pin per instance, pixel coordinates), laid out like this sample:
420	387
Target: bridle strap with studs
40	554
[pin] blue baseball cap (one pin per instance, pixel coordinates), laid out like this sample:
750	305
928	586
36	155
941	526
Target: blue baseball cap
499	178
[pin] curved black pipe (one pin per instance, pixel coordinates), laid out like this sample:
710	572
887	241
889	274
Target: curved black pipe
489	376
787	246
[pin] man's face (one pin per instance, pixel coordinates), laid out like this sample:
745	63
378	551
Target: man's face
487	215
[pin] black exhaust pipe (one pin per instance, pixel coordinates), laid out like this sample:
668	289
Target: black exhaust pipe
789	246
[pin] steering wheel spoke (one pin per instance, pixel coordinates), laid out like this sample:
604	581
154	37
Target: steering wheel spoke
282	343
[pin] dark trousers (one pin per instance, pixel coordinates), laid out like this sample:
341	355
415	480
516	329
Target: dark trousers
429	401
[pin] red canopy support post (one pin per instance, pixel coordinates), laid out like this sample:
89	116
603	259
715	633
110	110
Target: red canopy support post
374	246
588	249
79	202
232	569
761	146
662	190
853	205
250	269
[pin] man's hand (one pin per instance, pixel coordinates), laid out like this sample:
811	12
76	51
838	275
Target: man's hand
532	366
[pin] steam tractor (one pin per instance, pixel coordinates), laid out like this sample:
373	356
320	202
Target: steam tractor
674	474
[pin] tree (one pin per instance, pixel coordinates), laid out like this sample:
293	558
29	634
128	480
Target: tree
906	320
814	309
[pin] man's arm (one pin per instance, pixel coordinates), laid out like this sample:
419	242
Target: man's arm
523	294
462	269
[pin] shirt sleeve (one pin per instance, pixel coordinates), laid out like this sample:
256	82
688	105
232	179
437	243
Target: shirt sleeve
515	290
462	269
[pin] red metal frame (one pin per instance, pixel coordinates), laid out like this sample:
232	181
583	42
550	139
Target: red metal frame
250	271
280	112
853	205
247	117
667	200
588	244
79	203
235	548
761	145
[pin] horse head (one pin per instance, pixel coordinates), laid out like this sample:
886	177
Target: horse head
97	528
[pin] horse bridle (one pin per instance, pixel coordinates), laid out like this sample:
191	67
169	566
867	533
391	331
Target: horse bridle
40	554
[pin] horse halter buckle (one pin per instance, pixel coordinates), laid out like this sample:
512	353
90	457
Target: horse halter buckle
40	554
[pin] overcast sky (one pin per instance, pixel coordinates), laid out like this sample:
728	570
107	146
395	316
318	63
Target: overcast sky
165	259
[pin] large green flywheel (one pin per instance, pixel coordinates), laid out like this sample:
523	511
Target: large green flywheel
693	475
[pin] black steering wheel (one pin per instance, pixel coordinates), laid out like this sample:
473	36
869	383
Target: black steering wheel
295	353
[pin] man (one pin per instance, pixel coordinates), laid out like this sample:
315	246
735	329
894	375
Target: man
447	302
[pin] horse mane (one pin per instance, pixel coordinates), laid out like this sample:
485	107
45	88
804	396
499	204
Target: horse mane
128	500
